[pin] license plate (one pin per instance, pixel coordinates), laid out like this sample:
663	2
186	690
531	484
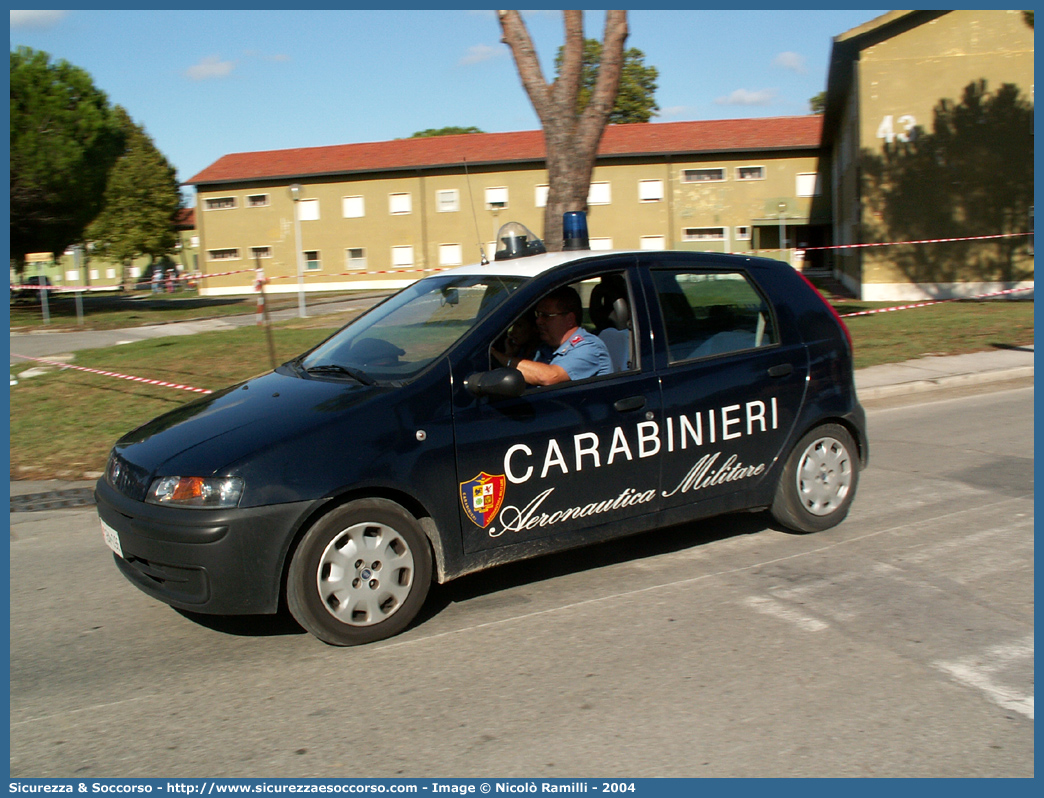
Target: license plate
112	538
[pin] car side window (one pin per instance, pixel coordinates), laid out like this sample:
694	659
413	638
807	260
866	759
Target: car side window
707	313
605	314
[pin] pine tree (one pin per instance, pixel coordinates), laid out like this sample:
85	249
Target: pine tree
142	199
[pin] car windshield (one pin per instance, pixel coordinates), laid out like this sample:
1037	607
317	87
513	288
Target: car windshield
399	338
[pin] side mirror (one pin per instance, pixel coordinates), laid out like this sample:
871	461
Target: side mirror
498	382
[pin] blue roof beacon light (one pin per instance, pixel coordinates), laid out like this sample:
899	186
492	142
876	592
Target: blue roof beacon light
517	241
574	230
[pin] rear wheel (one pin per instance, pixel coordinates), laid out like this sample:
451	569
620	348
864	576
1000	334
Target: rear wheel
819	480
360	574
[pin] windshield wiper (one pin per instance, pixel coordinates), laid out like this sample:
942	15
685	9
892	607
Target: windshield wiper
335	368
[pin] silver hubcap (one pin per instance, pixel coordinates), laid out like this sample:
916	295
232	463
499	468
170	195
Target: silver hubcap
365	574
824	476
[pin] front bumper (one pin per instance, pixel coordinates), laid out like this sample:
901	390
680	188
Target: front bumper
220	562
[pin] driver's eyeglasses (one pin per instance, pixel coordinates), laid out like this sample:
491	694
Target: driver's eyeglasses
542	315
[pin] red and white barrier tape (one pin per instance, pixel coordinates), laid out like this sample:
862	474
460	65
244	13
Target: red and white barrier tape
922	241
115	374
894	243
72	289
933	302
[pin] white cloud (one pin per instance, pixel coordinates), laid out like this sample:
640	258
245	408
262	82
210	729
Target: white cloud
36	18
746	97
210	67
795	62
676	110
482	52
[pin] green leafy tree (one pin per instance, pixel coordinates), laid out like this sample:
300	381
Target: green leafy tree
635	100
817	104
444	131
142	200
64	139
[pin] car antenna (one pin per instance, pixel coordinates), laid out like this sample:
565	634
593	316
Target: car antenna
471	197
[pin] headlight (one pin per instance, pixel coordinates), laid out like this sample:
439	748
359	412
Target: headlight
205	492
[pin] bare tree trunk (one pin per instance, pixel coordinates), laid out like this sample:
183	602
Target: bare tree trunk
570	138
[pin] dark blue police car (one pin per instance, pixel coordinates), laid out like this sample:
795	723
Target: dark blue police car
402	450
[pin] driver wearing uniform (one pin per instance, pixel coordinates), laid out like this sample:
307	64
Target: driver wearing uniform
569	352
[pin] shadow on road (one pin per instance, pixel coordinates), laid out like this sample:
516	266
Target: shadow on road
513	575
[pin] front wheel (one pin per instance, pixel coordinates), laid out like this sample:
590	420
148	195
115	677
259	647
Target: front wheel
360	574
819	480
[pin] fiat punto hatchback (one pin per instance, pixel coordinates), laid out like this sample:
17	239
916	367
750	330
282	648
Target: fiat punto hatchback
412	445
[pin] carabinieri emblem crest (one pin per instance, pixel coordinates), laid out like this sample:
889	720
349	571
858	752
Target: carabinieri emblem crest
482	497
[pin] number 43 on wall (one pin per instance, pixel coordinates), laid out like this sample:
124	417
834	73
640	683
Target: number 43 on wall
886	130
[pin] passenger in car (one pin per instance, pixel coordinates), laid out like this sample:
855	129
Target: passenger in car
569	352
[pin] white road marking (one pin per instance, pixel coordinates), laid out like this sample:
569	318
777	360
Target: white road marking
783	612
979	671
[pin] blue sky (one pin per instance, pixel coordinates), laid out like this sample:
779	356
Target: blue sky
207	83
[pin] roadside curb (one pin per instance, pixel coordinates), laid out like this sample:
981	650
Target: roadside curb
941	382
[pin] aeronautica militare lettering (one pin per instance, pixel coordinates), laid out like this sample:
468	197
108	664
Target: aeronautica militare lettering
588	451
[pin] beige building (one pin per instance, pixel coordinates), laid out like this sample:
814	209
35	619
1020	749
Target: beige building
869	171
892	181
378	215
78	267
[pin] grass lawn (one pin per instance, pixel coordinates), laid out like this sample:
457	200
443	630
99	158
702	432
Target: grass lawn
64	422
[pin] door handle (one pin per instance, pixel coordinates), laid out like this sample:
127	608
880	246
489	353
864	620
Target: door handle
631	403
782	370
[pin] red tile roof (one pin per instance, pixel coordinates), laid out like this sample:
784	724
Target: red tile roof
712	136
185	219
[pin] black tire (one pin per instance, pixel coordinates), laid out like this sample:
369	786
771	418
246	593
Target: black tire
360	574
819	480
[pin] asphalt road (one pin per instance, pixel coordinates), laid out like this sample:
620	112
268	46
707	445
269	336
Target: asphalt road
898	644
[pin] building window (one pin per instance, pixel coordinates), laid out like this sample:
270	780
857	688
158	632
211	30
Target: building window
650	190
313	262
703	234
540	196
222	254
742	233
402	256
110	274
496	198
447	201
652	242
599	194
600	243
450	255
808	184
260	252
194	241
220	203
715	175
355	258
750	172
93	273
308	210
353	207
257	200
401	203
